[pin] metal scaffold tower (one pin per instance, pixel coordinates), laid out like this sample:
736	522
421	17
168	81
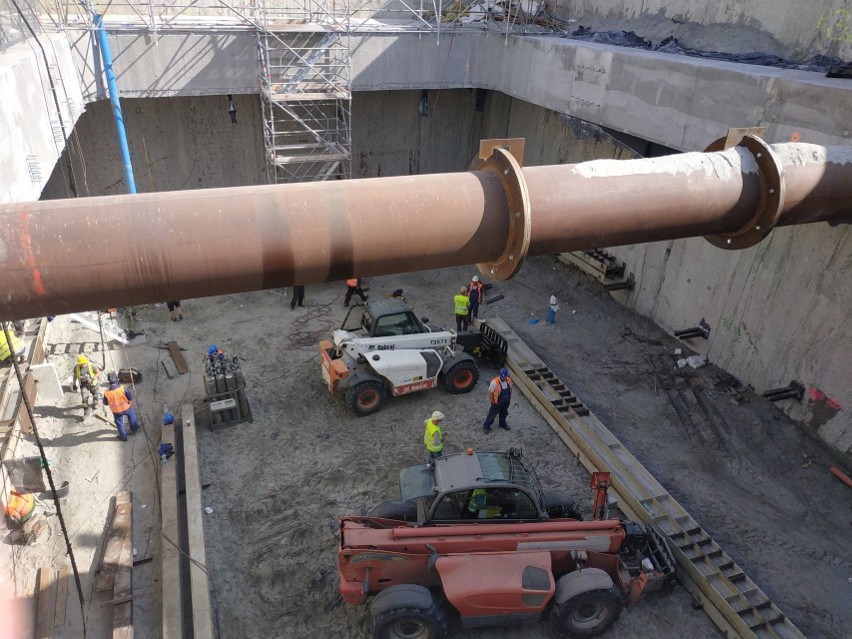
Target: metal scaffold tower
306	96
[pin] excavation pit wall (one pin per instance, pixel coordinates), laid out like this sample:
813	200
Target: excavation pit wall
789	290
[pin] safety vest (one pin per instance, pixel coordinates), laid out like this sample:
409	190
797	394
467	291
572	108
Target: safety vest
499	390
352	283
429	437
474	292
17	345
118	402
20	507
461	303
89	372
475	502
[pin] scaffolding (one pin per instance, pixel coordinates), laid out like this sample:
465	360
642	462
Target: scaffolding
306	94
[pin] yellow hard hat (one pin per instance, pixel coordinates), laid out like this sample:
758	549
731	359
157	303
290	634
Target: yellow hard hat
82	360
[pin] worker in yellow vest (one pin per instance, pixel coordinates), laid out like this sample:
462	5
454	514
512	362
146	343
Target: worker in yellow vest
353	287
87	376
17	348
461	304
476	506
433	437
118	399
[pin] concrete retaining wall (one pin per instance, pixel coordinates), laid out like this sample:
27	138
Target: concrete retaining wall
781	27
31	137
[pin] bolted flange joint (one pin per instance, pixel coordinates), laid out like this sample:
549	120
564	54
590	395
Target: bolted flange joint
771	198
507	169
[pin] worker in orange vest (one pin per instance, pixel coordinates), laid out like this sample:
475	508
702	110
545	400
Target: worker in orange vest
476	295
500	391
118	399
353	287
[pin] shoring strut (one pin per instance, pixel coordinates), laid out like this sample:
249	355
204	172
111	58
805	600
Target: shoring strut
61	256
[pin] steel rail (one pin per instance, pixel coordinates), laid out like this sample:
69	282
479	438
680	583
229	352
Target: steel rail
734	602
61	256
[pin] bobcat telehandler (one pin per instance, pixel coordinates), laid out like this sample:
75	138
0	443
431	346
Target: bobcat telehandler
384	348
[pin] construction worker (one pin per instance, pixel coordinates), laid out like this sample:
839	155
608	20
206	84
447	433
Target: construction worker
118	399
17	348
298	297
87	376
353	285
433	437
461	305
476	295
476	503
500	391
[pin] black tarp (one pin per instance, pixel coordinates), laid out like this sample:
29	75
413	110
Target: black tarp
831	66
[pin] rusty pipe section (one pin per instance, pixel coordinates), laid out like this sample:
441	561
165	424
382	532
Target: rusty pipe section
60	256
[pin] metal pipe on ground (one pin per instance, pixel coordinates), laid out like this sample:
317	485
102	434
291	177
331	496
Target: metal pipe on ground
61	256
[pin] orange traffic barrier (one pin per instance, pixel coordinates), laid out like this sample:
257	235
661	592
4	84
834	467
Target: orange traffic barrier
841	476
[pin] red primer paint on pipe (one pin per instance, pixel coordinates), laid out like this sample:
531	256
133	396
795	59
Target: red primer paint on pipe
29	256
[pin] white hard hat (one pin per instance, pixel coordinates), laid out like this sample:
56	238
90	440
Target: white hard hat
437	416
475	278
553	300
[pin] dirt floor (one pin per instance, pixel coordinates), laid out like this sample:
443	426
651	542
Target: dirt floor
755	480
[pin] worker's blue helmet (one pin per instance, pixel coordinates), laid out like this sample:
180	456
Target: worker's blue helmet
212	350
168	418
503	373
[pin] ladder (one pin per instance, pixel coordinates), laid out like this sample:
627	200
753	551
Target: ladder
306	97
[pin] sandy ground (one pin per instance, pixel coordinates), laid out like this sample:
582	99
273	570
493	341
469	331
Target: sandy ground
755	480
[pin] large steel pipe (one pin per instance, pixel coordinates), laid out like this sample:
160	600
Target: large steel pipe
60	256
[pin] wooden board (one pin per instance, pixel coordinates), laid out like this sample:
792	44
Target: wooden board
46	602
202	618
122	614
177	356
62	595
119	533
170	555
169	366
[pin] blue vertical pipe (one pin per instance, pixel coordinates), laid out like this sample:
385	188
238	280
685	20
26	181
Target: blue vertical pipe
106	57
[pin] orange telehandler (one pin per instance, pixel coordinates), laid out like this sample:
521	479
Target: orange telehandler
476	531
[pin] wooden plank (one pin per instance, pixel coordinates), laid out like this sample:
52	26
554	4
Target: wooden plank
177	356
122	613
118	533
170	555
61	595
202	618
169	365
46	602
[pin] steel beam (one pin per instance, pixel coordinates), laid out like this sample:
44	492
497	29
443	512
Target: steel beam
61	256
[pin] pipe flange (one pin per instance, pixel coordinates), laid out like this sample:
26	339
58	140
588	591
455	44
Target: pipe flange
771	198
504	165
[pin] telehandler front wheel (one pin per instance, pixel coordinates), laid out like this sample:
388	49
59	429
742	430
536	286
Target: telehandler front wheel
462	377
366	398
586	615
411	623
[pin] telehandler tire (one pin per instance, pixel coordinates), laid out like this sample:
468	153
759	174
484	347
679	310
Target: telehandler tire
411	623
586	615
366	398
462	377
